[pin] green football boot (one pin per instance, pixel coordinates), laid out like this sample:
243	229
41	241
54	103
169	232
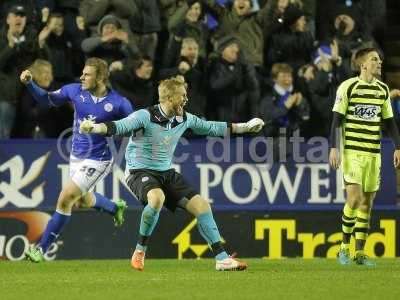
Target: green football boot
34	254
363	260
119	214
344	257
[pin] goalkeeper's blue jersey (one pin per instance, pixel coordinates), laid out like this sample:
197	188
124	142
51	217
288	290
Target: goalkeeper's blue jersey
155	136
108	108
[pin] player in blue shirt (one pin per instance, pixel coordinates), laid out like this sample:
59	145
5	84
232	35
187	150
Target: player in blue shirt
90	158
156	132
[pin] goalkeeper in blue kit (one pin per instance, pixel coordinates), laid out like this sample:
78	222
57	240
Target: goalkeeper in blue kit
155	134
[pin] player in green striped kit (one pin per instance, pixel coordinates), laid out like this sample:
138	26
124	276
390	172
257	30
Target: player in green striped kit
361	107
155	134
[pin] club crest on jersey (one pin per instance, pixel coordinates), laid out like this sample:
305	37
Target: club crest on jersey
108	107
366	112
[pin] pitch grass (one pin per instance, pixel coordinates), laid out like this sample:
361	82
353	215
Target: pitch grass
197	279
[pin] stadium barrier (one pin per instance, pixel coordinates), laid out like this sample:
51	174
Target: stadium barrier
273	235
264	209
235	174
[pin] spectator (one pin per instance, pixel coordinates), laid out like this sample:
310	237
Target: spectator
188	21
274	20
234	89
111	44
321	80
284	109
247	27
135	81
183	58
350	36
145	24
60	49
28	5
92	11
18	49
293	43
370	16
73	22
33	119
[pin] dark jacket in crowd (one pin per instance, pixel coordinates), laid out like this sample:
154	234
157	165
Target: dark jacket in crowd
321	91
146	18
234	90
140	92
13	61
62	53
277	116
196	78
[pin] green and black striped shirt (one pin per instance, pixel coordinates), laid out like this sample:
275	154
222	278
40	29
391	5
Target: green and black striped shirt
364	105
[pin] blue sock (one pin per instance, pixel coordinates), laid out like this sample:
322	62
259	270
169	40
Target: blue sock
53	229
148	222
141	247
104	204
209	231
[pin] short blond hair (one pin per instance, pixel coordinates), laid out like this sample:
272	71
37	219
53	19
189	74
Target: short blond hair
42	77
35	68
169	87
101	67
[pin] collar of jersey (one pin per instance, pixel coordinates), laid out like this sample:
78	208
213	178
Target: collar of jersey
164	114
159	117
372	82
97	99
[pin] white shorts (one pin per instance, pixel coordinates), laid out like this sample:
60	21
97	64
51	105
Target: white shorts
86	173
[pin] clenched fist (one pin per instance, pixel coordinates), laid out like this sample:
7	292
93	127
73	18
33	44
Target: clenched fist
25	76
89	126
86	126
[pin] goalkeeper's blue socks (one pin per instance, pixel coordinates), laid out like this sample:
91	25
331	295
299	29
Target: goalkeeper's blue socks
209	231
148	222
53	229
104	204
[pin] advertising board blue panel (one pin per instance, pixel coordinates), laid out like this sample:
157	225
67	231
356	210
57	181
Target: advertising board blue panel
235	174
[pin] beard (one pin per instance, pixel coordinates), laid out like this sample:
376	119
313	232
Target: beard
178	110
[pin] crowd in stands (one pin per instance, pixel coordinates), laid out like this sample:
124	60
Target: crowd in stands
280	60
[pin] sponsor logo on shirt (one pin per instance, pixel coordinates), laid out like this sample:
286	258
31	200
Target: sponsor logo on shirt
366	112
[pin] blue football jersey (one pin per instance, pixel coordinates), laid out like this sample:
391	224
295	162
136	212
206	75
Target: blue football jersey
111	107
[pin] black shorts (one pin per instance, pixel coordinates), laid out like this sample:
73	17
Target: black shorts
177	191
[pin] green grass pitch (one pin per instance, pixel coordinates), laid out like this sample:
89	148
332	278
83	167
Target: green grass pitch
197	279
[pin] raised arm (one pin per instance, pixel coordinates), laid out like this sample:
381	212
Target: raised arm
213	128
41	95
203	127
138	119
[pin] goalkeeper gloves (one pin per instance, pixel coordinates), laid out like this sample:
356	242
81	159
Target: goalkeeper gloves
89	126
254	125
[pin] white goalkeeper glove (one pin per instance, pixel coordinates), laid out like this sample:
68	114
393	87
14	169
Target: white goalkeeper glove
254	125
89	126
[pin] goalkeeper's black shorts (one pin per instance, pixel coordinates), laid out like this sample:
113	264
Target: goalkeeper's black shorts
177	191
